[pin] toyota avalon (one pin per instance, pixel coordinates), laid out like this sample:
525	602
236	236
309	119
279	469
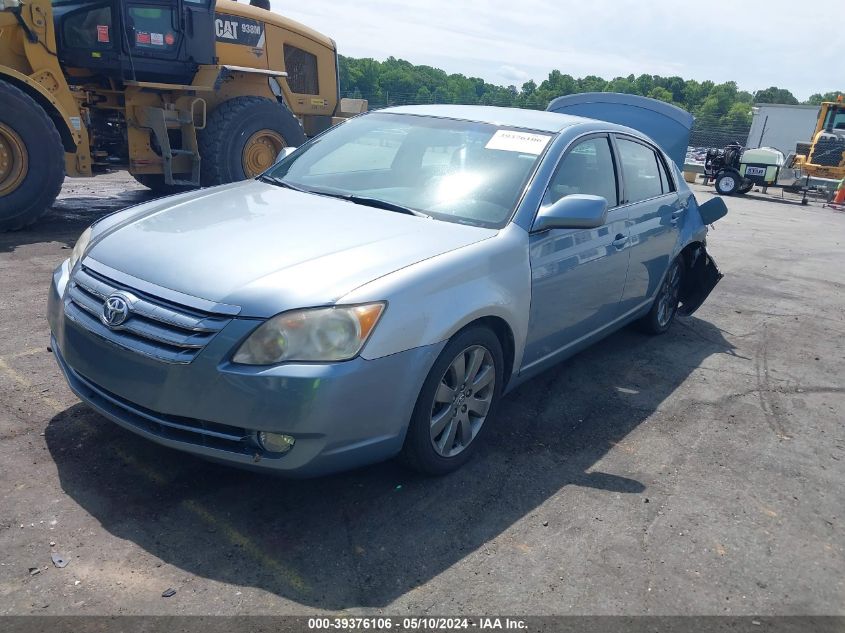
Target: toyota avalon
378	290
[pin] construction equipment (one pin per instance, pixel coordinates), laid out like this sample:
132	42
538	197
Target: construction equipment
181	93
736	170
823	159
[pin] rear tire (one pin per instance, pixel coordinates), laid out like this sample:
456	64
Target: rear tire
446	401
32	159
665	307
245	132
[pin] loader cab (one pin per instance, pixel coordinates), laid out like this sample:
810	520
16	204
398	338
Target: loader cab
834	120
145	40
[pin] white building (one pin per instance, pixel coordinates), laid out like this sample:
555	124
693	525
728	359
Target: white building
782	126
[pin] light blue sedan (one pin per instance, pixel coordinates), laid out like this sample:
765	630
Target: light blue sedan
377	291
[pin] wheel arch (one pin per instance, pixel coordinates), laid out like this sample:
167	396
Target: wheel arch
46	100
700	276
503	331
688	252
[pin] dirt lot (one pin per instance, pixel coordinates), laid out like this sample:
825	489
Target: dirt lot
697	473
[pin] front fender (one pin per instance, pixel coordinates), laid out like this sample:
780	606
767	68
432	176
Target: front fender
430	301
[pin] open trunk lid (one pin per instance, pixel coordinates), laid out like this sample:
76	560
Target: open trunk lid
668	125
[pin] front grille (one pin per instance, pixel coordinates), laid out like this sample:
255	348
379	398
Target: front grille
828	152
157	328
192	431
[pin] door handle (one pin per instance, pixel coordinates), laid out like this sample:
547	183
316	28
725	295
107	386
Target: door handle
620	241
676	215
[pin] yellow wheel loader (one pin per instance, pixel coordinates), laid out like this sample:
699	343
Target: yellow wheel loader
180	93
823	159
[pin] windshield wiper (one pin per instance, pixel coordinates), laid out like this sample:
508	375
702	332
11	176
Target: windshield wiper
377	203
281	183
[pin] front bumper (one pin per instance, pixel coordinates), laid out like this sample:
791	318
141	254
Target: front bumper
342	415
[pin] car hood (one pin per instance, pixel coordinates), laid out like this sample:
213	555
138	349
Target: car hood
267	249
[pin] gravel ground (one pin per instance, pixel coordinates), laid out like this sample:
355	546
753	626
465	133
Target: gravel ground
696	473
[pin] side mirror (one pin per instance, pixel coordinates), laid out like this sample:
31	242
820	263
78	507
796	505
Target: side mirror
286	151
712	210
578	211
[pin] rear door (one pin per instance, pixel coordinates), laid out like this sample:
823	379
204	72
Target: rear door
654	212
577	275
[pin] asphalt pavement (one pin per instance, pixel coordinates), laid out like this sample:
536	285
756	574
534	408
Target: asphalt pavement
700	472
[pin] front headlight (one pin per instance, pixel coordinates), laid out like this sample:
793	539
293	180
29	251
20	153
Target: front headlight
314	334
79	248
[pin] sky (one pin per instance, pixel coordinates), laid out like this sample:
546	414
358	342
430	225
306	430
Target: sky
784	43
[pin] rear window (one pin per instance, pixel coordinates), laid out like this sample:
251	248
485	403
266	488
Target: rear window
301	67
641	171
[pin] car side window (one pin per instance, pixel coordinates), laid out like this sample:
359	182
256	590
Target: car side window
665	179
644	177
587	168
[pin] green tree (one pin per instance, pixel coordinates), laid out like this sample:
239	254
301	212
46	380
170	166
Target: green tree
423	95
661	94
723	112
625	85
818	98
591	83
775	95
738	117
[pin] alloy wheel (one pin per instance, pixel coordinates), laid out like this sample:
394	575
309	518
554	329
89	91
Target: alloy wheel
669	293
462	401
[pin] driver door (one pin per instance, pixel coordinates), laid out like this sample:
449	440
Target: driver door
578	275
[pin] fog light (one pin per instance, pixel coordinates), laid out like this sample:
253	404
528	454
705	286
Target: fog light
275	442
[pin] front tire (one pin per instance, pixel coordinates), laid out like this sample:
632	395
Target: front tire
32	159
665	307
456	403
243	137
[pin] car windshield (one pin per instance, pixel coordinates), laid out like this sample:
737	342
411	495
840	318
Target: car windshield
457	171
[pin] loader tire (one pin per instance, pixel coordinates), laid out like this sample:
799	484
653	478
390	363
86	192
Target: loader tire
242	138
32	159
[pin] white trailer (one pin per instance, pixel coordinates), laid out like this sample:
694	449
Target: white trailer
782	126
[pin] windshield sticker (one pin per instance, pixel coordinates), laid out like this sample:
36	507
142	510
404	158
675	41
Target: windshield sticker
103	33
523	142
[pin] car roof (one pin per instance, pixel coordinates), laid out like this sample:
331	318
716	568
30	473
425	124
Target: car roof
509	117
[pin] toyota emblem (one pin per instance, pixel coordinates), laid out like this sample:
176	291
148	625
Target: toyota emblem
115	310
